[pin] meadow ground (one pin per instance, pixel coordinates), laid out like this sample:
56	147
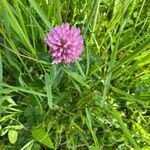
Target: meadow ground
101	102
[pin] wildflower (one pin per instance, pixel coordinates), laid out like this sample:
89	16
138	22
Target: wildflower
65	42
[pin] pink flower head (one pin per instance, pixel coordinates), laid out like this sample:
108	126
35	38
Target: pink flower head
65	42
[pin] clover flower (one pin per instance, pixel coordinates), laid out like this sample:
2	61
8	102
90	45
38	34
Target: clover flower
65	43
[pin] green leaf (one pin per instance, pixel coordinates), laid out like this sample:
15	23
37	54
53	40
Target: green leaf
88	117
41	136
28	146
40	12
16	26
127	96
123	127
11	101
1	71
12	135
80	69
7	117
21	89
48	84
15	127
89	124
132	56
78	78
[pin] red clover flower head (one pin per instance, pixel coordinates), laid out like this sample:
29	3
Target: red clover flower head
66	43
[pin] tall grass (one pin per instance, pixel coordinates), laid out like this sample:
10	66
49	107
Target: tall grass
100	102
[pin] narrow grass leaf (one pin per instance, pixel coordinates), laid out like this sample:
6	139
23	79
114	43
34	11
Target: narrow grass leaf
88	117
1	71
76	86
6	117
22	89
131	57
128	96
16	26
78	78
109	76
6	90
20	17
89	124
57	9
48	84
80	69
40	12
78	127
87	61
124	129
28	146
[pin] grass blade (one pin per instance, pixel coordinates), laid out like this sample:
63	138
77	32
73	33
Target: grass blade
129	58
48	84
40	12
1	71
78	78
22	89
124	129
89	124
15	25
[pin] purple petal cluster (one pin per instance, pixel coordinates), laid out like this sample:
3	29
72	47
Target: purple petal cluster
65	43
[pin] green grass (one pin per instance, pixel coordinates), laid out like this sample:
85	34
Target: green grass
101	102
